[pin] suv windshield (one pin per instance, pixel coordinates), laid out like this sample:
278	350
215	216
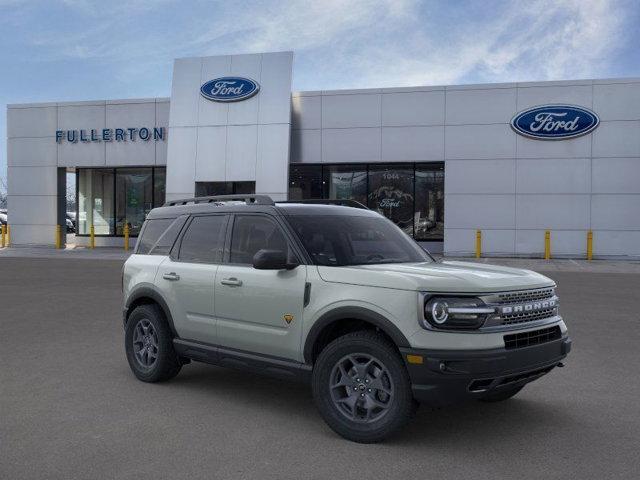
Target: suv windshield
339	240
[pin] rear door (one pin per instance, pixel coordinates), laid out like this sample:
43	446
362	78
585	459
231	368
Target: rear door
186	278
259	311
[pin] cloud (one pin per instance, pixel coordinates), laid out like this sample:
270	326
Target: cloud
545	40
391	43
554	40
361	43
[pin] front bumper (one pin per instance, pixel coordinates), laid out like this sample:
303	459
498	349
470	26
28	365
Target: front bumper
451	376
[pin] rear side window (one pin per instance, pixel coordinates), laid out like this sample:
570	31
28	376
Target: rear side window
203	241
152	231
252	233
168	238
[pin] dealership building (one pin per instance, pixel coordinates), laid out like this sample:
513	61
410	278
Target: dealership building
512	160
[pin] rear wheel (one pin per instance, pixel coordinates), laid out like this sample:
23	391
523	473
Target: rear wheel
501	395
149	345
362	388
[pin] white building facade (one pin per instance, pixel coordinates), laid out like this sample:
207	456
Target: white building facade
512	160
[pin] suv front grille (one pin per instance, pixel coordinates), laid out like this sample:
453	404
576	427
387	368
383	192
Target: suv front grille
514	308
516	318
534	337
525	296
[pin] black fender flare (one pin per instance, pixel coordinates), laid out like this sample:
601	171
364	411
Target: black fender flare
148	292
355	313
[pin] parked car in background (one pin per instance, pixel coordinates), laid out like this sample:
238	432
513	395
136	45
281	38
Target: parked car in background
71	227
71	222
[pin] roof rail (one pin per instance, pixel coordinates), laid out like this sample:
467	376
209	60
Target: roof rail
248	199
344	202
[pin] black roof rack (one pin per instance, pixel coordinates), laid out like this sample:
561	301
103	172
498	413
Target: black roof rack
331	201
248	199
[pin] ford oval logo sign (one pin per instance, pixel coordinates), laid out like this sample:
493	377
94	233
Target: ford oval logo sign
229	89
555	122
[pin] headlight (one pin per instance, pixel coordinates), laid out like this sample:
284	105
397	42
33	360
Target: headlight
455	313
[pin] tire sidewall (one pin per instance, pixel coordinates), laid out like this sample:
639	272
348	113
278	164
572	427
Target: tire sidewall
166	355
379	348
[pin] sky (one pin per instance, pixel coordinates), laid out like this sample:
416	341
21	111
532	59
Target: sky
88	50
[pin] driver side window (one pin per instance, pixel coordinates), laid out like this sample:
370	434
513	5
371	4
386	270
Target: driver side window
252	233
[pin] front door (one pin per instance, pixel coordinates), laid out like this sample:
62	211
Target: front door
259	311
186	279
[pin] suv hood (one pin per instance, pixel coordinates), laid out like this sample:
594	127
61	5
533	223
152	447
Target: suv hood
444	277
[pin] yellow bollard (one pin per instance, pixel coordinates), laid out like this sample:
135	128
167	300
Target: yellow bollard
8	234
92	237
547	244
126	237
58	237
478	243
589	245
4	235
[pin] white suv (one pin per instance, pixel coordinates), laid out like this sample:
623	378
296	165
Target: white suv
336	296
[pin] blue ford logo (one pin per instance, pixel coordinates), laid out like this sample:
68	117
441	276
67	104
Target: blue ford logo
229	89
555	122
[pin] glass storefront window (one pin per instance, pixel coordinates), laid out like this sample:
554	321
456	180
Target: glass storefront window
345	182
134	198
391	193
95	201
305	182
109	197
409	194
429	211
210	189
159	186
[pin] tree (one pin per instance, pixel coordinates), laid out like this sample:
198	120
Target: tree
3	193
71	192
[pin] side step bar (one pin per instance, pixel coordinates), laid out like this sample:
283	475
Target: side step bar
224	357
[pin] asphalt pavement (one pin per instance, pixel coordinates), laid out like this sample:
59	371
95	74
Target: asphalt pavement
71	409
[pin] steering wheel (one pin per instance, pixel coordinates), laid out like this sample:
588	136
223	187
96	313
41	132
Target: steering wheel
374	256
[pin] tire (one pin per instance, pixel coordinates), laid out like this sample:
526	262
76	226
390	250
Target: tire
501	395
354	408
149	321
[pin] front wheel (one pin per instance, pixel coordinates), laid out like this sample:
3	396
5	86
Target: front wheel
362	388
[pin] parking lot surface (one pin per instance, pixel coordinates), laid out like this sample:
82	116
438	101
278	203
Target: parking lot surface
70	408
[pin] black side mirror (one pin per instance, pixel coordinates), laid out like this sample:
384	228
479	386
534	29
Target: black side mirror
272	260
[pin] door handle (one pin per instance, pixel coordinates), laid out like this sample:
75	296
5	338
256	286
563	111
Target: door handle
232	282
173	276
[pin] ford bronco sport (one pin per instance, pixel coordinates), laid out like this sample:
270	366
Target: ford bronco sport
337	296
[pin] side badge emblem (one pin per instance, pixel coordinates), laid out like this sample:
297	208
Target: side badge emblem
287	317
